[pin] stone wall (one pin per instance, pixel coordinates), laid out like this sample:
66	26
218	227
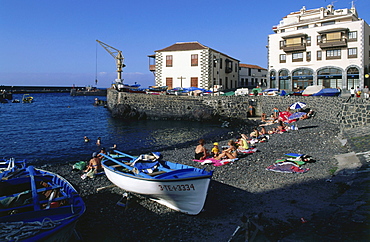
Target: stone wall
346	113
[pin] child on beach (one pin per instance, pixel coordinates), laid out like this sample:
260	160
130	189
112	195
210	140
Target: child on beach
215	150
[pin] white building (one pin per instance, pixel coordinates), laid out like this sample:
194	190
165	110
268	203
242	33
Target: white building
251	76
191	64
319	47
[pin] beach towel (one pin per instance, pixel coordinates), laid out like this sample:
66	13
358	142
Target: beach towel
216	162
286	167
297	162
248	151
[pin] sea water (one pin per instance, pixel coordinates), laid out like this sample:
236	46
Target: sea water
51	129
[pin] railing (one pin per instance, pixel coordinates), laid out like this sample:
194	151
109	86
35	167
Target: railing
333	43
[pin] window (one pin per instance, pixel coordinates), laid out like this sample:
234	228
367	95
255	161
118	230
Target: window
282	44
333	54
352	52
319	55
194	60
308	41
168	60
352	36
327	23
282	31
169	82
297	56
220	63
294	41
194	81
302	27
283	58
330	37
308	56
318	39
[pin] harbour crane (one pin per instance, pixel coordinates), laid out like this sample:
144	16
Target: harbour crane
117	55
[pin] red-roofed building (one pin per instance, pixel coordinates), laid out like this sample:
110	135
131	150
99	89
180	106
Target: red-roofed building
251	76
191	64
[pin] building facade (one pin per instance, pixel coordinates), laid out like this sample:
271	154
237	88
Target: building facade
321	46
251	76
191	64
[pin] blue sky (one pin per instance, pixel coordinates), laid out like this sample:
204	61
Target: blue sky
52	42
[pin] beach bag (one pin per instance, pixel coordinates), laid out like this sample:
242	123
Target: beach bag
81	165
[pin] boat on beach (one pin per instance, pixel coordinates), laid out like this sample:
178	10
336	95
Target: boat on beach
37	205
180	187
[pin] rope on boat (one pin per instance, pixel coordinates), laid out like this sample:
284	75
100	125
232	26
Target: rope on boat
15	231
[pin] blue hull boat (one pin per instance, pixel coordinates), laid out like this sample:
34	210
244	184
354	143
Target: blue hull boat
37	205
180	187
327	92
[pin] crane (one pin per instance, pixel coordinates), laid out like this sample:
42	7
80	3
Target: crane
117	55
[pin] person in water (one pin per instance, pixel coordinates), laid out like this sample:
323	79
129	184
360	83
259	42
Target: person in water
86	139
200	151
98	141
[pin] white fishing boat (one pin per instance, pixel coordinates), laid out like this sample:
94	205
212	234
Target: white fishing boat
180	187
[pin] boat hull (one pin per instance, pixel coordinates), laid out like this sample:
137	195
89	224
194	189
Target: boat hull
35	216
185	195
179	187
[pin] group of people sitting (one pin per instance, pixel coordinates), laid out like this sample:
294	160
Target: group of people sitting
228	152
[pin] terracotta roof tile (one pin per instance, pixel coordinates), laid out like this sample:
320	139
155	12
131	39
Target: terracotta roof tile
184	46
251	66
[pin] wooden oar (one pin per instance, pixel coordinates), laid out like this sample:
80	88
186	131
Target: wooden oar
101	188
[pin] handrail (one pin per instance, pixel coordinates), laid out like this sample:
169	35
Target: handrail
124	165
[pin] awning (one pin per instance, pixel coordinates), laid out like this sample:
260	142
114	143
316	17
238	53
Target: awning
294	35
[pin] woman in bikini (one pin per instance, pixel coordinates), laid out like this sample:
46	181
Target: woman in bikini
94	164
229	153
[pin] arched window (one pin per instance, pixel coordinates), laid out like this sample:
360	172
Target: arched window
330	77
284	81
353	75
302	78
272	79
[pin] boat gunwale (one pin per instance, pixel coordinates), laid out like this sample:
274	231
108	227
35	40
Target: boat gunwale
153	179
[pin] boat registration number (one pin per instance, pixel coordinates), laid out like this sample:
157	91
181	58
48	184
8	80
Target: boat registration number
185	187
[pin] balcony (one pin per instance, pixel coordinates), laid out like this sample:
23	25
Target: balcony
333	43
151	67
295	47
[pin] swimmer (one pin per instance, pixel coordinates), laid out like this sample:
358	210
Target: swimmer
86	139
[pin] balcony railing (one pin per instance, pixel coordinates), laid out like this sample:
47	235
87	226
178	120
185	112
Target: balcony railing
332	43
294	47
151	67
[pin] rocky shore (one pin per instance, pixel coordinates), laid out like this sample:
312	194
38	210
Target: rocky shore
286	203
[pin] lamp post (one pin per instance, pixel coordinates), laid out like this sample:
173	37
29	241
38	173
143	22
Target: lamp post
213	75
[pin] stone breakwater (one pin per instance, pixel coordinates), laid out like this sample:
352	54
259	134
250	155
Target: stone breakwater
344	111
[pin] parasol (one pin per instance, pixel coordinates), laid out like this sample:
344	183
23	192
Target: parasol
297	105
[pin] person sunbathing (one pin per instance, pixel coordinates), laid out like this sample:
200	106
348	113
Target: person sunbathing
200	151
254	134
243	142
229	153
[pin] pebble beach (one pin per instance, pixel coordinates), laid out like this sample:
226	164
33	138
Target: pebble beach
283	201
